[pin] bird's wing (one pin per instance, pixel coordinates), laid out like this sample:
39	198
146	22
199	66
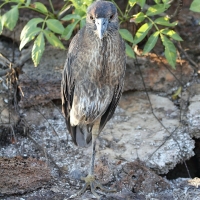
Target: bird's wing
112	106
67	84
117	90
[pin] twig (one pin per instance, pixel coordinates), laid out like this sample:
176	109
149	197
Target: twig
52	8
64	12
47	121
179	56
26	56
47	154
179	47
178	9
151	107
13	133
165	65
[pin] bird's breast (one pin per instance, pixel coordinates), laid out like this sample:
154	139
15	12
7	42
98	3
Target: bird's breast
104	62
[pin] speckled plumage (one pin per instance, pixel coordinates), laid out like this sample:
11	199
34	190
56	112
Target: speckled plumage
93	75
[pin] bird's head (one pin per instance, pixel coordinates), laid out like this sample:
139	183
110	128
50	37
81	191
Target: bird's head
102	18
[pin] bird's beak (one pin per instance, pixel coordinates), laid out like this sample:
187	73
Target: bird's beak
101	24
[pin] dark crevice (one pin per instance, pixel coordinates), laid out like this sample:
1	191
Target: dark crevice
193	165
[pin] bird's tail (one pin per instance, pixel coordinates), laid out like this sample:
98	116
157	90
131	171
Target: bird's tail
83	135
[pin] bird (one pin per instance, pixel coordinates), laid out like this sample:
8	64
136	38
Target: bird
93	79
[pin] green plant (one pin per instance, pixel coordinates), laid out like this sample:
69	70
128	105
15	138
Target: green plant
195	6
50	27
151	21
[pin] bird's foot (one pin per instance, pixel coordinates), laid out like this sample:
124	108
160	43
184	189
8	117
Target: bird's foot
90	180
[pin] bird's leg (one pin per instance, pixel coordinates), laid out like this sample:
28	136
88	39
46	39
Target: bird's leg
90	179
95	133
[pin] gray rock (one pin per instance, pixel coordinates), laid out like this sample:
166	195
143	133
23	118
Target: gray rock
193	116
42	84
157	73
160	148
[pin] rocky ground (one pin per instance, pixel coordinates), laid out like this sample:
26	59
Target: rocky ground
150	149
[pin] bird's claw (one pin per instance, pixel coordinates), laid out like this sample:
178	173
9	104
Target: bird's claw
90	180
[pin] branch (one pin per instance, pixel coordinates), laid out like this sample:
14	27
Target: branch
45	153
4	61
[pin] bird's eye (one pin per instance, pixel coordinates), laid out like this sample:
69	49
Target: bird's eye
92	18
111	17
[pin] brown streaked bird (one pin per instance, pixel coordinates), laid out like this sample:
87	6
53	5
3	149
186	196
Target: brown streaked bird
93	79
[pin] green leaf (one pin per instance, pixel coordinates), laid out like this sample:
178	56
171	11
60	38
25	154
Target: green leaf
55	26
195	6
139	17
129	51
53	40
70	17
81	12
30	36
38	49
132	2
30	26
9	19
172	34
156	9
141	3
177	93
40	6
126	35
82	23
15	1
170	51
166	1
68	30
151	42
142	32
87	2
80	6
165	22
1	27
157	1
28	2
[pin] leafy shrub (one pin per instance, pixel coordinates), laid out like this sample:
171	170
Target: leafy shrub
50	28
195	6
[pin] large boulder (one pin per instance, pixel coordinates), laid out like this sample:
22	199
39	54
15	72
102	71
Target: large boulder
134	132
42	84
